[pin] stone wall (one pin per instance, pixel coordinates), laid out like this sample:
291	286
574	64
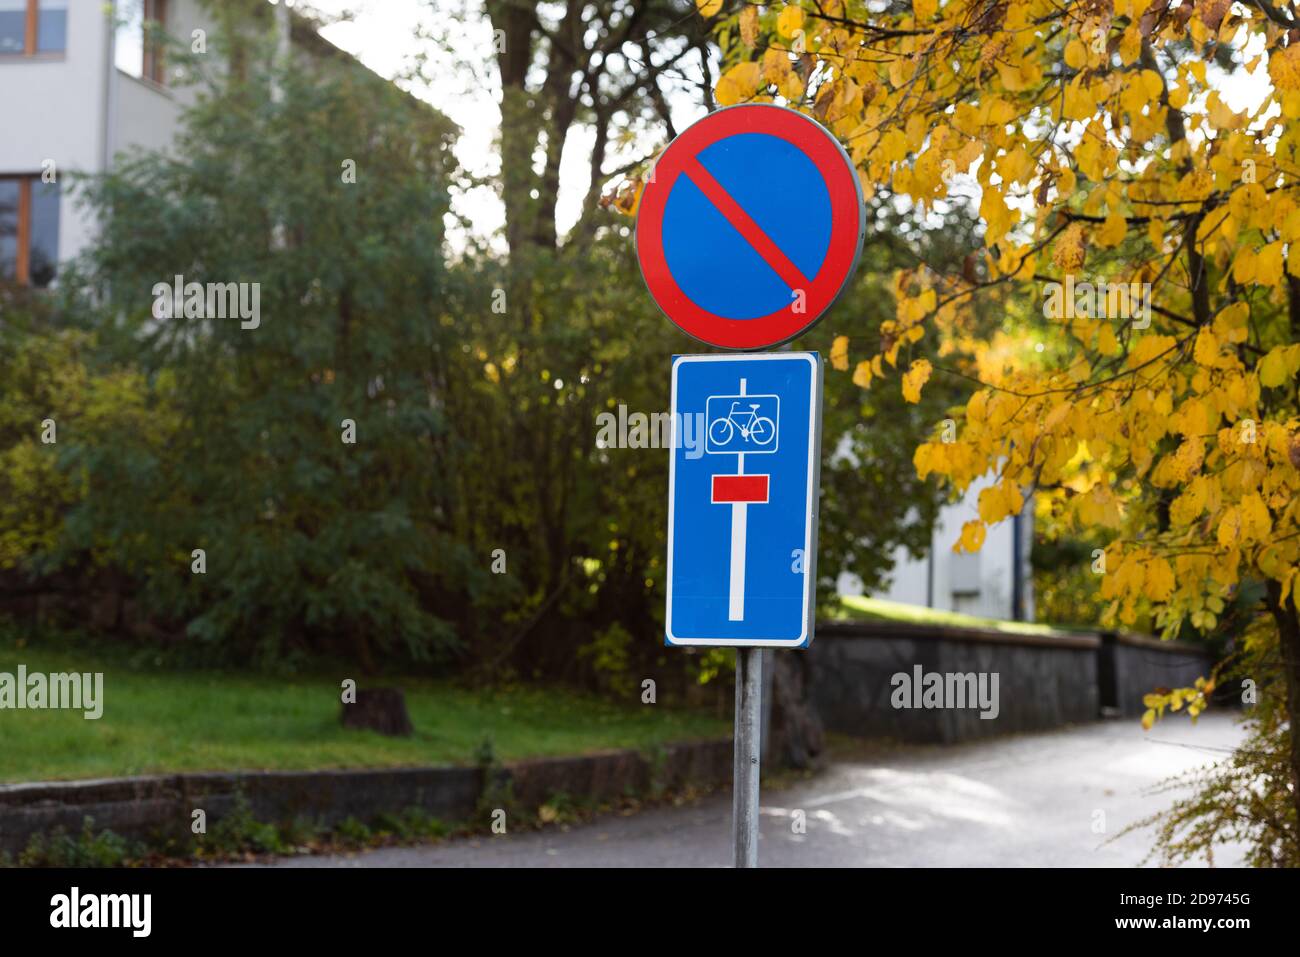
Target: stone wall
158	808
1136	664
1045	680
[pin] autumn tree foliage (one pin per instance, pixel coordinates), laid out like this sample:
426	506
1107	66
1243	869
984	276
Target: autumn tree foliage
1133	163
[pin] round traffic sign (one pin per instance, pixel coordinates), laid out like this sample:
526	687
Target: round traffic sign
750	226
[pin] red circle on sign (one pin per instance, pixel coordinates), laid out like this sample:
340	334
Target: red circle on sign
848	223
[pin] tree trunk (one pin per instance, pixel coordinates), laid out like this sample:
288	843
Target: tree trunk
516	24
798	738
1288	627
379	709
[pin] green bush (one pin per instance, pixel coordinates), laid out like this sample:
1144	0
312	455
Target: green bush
85	849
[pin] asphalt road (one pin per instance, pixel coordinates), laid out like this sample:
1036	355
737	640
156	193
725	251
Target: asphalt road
1029	800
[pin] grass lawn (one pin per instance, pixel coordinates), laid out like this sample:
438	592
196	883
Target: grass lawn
162	721
857	608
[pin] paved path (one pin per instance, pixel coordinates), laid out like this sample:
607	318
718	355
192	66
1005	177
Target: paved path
1030	800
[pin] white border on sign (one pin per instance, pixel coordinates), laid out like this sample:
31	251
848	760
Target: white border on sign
810	514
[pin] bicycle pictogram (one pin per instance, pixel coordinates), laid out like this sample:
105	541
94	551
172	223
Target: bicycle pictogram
742	423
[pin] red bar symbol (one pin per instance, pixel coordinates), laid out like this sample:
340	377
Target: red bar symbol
740	488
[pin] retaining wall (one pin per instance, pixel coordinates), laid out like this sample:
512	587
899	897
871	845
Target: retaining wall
159	807
1044	680
1136	664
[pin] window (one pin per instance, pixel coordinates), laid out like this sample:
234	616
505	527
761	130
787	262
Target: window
964	567
8	229
138	51
51	25
29	230
28	27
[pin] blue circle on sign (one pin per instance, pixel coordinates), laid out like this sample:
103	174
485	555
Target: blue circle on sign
712	262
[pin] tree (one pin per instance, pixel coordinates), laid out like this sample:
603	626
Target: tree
286	498
606	64
1139	210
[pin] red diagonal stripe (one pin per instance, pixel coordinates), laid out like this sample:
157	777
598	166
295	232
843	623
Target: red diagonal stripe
744	224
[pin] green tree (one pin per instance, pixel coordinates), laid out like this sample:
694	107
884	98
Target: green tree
313	542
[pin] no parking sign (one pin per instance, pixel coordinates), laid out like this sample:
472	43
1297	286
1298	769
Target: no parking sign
747	232
751	226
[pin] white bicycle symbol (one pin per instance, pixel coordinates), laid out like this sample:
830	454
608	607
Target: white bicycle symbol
753	427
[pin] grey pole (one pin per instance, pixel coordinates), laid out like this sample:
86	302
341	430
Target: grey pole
765	727
749	709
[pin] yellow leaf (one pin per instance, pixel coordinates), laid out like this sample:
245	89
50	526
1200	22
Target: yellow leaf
1206	352
1243	267
1288	581
972	537
1274	368
925	10
1148	719
1255	520
997	216
1229	527
748	24
1187	507
1058	414
1112	231
840	353
1079	104
1230	323
1268	265
776	66
992	509
915	378
789	22
1159	580
726	92
1076	54
1107	344
1188	458
708	8
1148	348
998	501
927	458
862	375
739	83
1069	252
1130	46
1284	67
893	146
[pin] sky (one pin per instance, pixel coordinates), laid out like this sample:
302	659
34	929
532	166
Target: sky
381	35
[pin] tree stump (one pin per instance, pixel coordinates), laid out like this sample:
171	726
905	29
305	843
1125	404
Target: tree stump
796	729
379	709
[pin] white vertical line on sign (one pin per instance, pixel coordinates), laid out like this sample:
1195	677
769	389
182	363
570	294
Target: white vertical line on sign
739	523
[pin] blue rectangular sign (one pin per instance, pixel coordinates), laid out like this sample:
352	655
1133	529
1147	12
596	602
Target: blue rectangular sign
742	516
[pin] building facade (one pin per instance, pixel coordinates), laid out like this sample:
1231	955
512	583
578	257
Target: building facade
995	582
80	81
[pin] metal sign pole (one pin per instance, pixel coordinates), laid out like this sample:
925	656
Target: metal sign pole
749	716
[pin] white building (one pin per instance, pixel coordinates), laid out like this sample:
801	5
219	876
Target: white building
994	582
80	81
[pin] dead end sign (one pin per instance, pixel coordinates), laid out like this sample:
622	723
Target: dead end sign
750	227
